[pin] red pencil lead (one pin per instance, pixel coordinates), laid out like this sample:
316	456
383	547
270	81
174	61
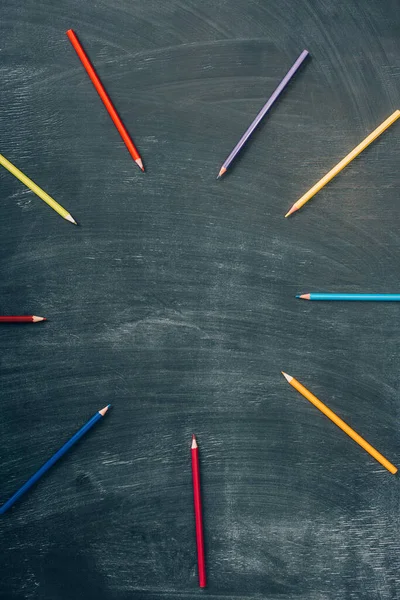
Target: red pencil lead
139	162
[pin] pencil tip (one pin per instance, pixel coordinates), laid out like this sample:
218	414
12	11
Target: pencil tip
304	296
221	172
286	376
292	210
139	162
36	319
104	410
194	442
71	219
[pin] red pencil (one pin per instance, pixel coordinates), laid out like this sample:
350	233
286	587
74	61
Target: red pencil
105	98
30	319
198	514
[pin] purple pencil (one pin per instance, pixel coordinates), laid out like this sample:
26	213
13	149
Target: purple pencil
262	112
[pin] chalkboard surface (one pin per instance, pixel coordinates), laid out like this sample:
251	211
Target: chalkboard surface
174	300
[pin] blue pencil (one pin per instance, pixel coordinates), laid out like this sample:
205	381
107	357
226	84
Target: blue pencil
352	297
47	465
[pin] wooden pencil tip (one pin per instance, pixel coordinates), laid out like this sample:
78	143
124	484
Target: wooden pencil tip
292	210
104	410
286	376
221	172
194	442
304	296
37	319
71	219
139	162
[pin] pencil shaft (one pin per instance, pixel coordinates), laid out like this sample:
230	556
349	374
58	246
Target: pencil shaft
47	465
35	188
357	297
103	95
340	423
12	319
198	517
265	108
346	160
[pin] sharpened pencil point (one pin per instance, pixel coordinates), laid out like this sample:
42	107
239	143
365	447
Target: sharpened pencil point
194	442
222	171
139	162
292	210
286	376
71	219
36	319
304	296
104	410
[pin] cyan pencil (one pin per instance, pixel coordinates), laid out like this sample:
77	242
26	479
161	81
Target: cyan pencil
351	297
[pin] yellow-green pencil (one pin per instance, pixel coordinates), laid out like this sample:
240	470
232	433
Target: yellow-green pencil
35	188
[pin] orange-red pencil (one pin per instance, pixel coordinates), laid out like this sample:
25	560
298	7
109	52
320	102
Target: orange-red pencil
105	98
28	319
198	514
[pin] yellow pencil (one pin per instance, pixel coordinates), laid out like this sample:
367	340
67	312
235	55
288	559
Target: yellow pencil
338	421
343	163
35	188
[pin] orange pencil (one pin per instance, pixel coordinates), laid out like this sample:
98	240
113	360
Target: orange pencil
105	98
338	421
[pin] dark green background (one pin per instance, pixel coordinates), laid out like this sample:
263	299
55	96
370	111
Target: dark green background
175	300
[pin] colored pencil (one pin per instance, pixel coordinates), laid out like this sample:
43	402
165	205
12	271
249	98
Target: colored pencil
344	162
340	423
36	189
133	151
47	465
198	513
263	112
351	297
30	319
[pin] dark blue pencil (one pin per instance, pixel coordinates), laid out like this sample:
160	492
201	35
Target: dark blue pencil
47	465
351	297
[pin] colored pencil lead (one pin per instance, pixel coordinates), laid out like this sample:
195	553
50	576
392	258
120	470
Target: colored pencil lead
69	217
286	376
139	162
303	296
292	210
